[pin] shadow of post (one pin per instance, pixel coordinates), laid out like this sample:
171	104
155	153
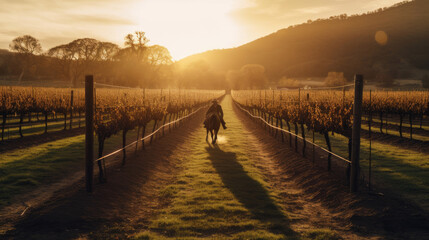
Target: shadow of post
248	191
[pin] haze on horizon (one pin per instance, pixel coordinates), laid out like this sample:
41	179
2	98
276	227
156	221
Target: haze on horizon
185	27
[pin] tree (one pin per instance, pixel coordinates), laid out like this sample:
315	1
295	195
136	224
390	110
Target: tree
26	46
136	45
157	55
84	54
106	64
250	76
80	56
285	82
253	76
157	59
107	51
335	79
62	58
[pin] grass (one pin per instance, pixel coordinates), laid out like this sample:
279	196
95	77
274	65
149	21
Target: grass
400	170
22	170
222	194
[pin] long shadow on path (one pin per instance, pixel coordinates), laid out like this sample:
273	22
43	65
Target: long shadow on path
248	191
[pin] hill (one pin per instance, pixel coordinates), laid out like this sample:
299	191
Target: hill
341	44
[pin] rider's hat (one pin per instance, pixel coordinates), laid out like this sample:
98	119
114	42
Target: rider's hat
214	101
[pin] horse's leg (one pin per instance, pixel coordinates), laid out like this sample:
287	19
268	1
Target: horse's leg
211	133
207	134
216	131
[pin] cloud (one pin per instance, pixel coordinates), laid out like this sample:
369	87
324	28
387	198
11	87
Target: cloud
56	22
101	20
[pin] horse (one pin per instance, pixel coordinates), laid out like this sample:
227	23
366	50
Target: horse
212	124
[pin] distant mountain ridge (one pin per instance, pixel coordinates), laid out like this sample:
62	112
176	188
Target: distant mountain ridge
342	44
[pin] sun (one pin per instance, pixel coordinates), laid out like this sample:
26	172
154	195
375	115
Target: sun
186	27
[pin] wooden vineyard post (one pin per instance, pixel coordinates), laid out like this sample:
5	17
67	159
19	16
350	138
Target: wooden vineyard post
314	153
89	131
78	110
344	95
357	117
370	142
71	109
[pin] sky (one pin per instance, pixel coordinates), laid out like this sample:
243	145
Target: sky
185	27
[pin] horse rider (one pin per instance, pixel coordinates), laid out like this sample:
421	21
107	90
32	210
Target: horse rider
215	108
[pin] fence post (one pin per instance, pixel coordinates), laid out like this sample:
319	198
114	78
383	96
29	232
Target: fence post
357	117
370	141
78	110
89	131
71	109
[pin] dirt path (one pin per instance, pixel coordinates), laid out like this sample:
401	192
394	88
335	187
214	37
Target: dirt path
183	187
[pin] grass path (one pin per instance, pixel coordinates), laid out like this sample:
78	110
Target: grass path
223	192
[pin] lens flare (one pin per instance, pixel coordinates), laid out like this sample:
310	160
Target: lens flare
381	38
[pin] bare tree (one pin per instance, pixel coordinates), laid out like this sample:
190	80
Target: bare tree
79	57
107	51
137	45
62	58
157	55
106	65
157	58
84	54
26	46
253	76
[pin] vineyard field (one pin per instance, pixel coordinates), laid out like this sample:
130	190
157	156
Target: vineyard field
31	167
25	168
395	167
164	120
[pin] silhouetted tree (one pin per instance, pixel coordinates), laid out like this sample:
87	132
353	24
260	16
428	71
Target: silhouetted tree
62	58
335	79
253	76
250	76
78	57
26	46
136	45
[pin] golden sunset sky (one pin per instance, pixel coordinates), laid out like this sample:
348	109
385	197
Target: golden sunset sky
185	27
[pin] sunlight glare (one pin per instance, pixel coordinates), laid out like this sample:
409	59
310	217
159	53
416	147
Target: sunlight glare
222	139
186	27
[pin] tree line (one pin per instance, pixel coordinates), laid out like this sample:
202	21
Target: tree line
137	64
